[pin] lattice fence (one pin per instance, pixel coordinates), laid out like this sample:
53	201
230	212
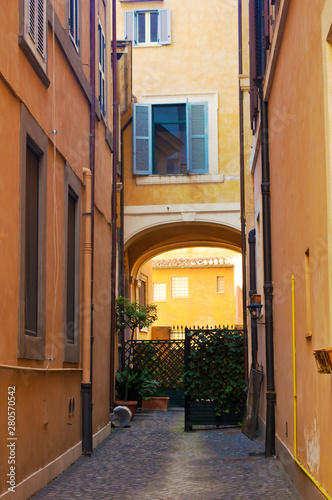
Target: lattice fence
163	359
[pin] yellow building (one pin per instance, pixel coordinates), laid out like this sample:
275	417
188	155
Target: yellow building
196	287
181	163
56	131
291	170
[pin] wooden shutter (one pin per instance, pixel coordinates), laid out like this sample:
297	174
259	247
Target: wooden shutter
71	267
142	139
164	26
198	137
31	244
130	24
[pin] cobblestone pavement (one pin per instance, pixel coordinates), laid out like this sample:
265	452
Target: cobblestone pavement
155	459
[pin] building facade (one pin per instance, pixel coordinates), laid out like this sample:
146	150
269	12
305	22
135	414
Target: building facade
181	168
56	179
290	48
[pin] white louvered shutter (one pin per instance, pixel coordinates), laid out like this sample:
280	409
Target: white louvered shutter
164	23
41	27
31	19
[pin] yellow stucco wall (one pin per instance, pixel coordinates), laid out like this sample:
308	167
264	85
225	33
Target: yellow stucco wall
214	309
198	60
204	306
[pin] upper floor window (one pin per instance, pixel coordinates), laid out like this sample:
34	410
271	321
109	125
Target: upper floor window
170	139
73	23
101	69
148	27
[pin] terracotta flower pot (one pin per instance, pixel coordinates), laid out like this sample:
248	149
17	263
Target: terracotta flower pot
132	405
156	403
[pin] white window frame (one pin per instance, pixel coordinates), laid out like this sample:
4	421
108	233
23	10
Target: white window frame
179	289
101	69
163	31
213	171
74	25
162	291
147	42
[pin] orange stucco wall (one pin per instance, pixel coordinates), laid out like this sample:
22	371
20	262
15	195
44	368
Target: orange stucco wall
42	396
300	215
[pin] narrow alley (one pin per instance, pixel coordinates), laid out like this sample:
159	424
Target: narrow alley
155	459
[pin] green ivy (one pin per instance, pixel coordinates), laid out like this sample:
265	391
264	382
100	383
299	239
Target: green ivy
216	369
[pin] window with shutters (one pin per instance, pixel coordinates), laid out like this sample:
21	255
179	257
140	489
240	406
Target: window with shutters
71	267
73	23
170	139
148	28
33	38
101	69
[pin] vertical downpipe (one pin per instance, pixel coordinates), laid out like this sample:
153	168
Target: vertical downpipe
268	284
87	387
86	377
243	208
114	207
252	291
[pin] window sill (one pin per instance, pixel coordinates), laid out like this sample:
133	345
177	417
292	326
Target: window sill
179	179
33	61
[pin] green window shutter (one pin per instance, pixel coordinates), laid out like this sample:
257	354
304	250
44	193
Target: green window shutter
164	26
130	26
198	137
142	139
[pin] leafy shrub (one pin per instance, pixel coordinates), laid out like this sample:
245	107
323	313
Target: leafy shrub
216	371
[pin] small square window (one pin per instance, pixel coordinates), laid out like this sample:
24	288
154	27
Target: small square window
159	292
180	287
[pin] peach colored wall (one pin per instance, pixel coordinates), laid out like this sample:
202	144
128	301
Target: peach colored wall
64	107
300	207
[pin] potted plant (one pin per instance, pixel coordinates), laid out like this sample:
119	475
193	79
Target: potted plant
132	315
152	397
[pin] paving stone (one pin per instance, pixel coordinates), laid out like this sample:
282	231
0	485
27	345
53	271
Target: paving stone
155	459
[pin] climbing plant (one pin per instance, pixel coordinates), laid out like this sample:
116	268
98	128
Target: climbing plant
216	369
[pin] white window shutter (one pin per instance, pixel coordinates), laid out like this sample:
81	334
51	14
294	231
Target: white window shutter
41	27
130	26
164	25
142	139
31	19
198	137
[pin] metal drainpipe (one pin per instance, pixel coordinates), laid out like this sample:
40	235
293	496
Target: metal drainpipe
243	208
121	242
252	291
268	284
114	207
87	446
